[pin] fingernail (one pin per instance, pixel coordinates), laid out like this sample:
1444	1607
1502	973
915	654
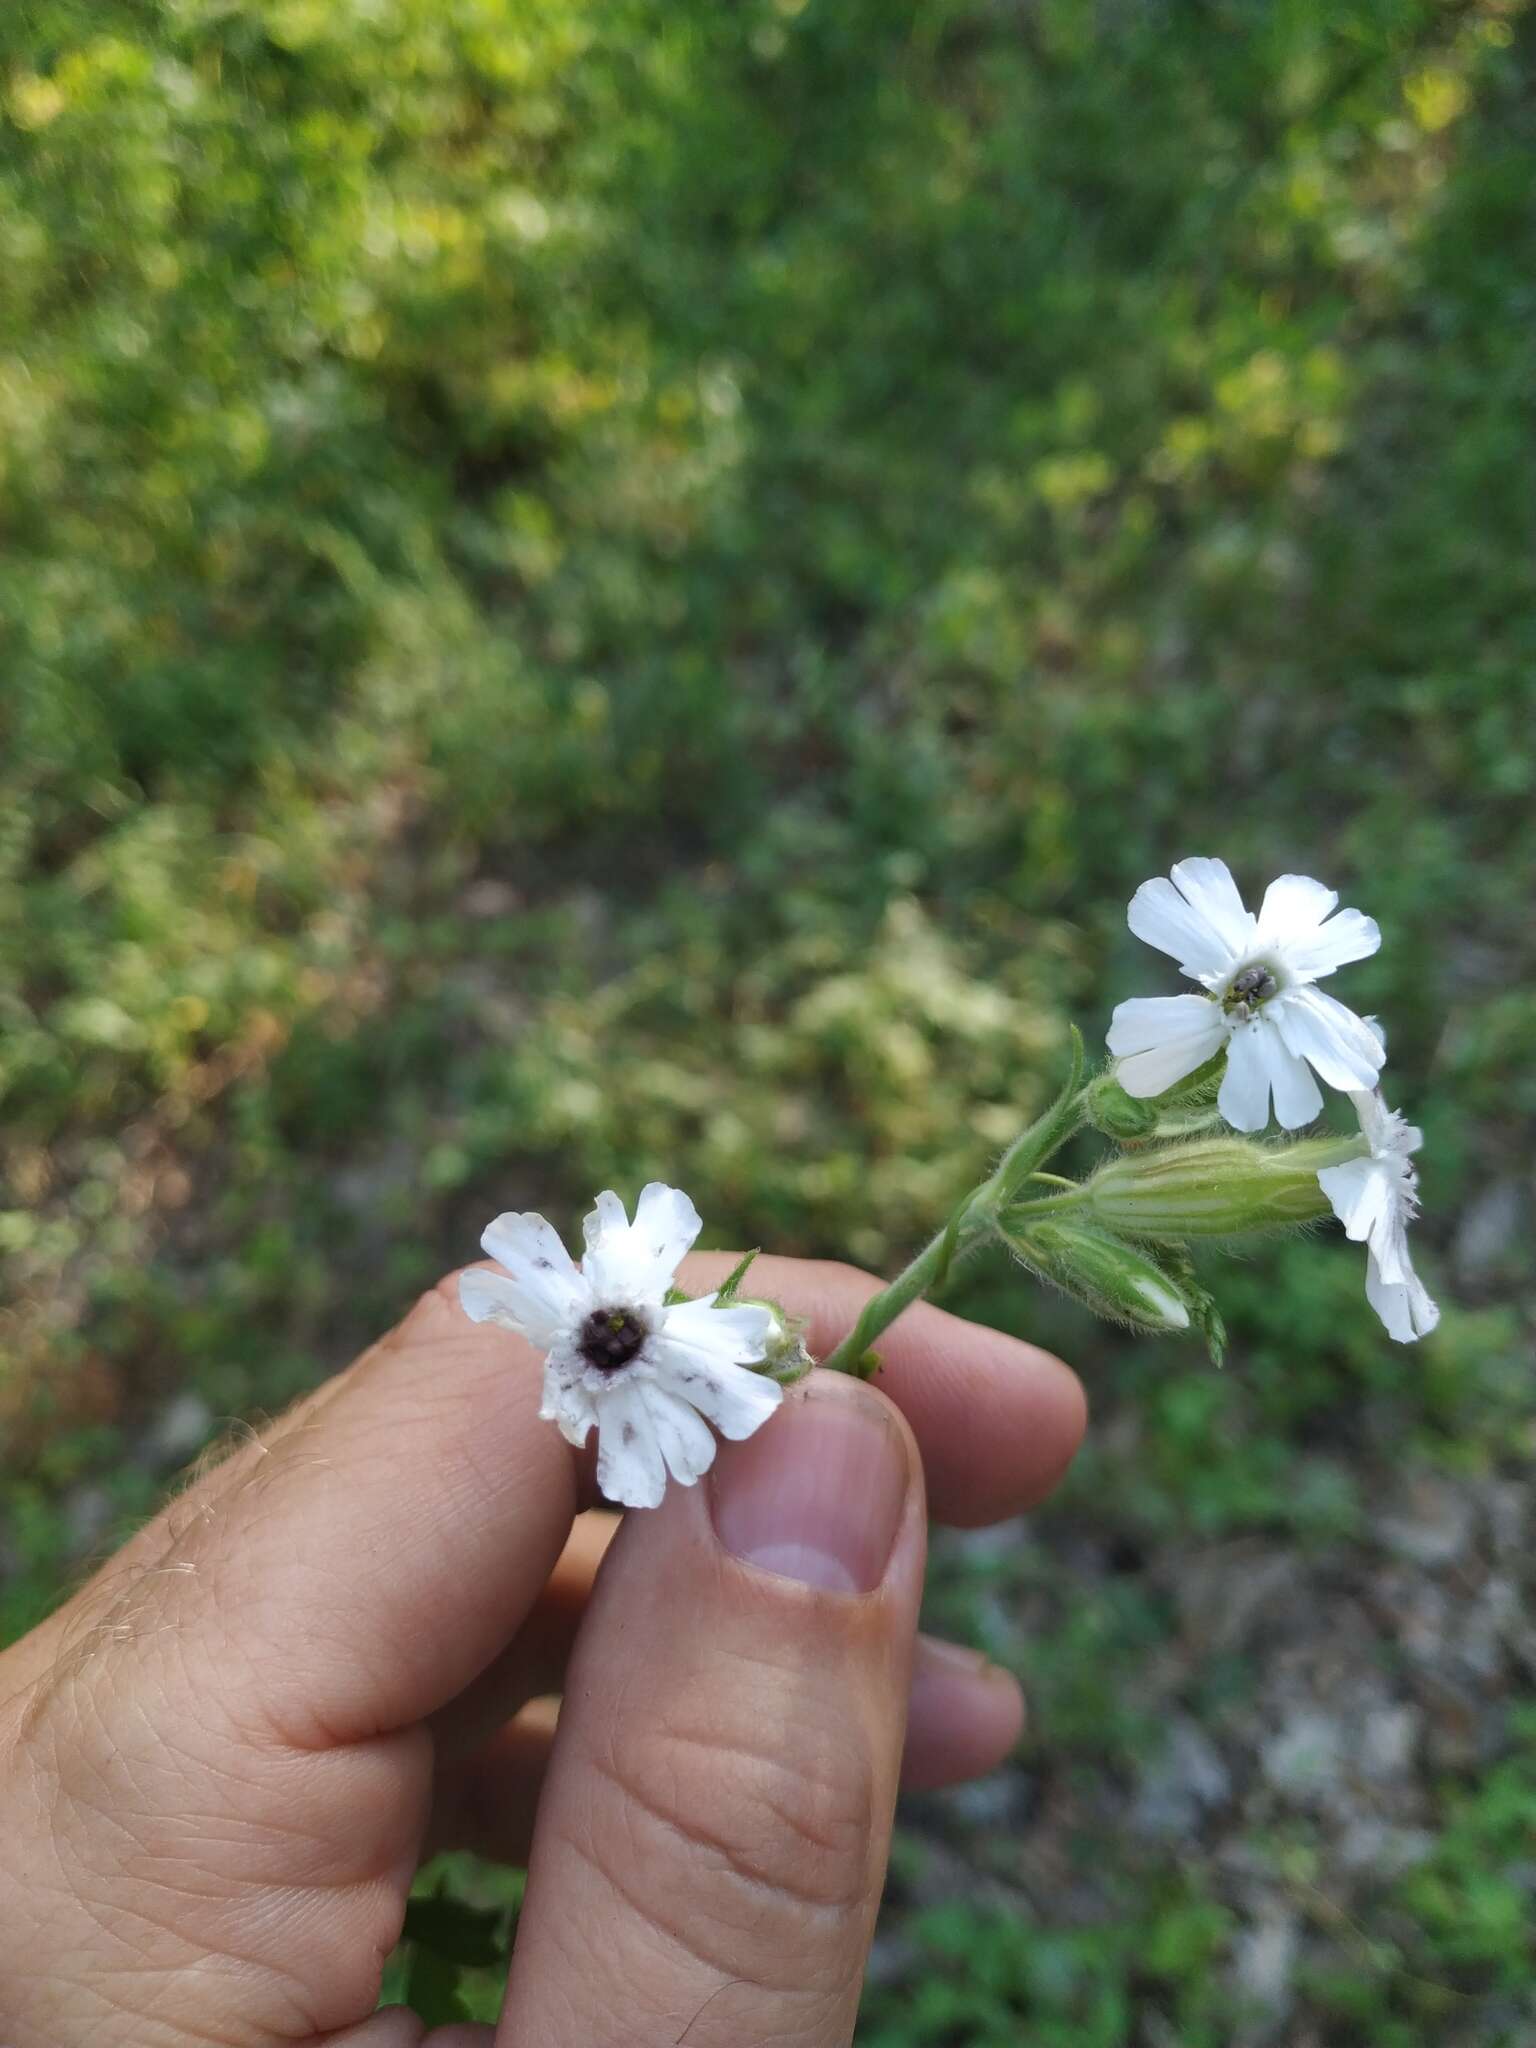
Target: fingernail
817	1495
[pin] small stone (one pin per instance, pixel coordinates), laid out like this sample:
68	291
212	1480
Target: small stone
1489	1626
891	1960
1490	1225
995	1801
1433	1527
1264	1963
1388	1738
1305	1759
1458	1731
1186	1780
1507	1506
1230	1595
1376	1849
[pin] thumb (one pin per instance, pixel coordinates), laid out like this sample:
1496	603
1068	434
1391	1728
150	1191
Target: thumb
713	1835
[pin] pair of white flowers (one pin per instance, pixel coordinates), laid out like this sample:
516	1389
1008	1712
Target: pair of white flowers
626	1354
1280	1033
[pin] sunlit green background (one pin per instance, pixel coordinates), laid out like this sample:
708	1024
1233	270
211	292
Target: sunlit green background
600	588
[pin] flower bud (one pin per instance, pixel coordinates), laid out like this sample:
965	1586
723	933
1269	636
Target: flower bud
786	1357
1214	1187
1111	1278
1118	1115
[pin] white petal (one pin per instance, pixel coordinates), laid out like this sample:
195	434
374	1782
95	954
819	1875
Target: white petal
639	1258
736	1401
1375	1117
682	1435
1160	1039
605	1233
737	1335
1349	936
1389	1240
1214	897
569	1406
1293	907
1256	1062
606	1221
1298	1099
666	1223
1343	1048
1364	1197
1163	1302
548	1288
491	1298
630	1468
1358	1194
1167	920
1404	1306
1386	1131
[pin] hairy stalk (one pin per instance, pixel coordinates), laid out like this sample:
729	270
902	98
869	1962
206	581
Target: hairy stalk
1051	1205
972	1221
881	1310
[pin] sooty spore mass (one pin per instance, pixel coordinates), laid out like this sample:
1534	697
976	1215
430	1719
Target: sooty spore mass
610	1337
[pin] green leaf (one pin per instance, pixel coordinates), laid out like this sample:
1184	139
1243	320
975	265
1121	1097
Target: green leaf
731	1286
475	1936
432	1988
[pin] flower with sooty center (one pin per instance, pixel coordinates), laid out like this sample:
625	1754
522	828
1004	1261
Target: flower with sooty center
649	1374
1260	1002
1376	1199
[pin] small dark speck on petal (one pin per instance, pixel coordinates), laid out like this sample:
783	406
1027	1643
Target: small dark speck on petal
629	1432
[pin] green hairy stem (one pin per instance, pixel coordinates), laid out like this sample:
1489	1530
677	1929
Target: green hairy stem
973	1220
1173	1182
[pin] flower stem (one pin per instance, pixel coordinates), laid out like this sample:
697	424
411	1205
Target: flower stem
971	1221
881	1310
1041	1205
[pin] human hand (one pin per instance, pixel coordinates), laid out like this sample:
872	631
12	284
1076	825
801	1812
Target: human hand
222	1760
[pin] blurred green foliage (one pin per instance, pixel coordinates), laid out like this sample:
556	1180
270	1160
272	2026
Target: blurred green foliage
986	1975
591	590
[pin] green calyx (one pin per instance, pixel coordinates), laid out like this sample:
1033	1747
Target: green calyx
1112	1278
1213	1187
786	1356
1117	1114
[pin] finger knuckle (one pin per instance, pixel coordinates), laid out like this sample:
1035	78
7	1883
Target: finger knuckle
785	1823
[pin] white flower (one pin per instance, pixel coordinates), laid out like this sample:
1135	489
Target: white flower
1376	1199
616	1354
1260	1002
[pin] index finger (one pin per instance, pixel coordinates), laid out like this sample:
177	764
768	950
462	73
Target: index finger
997	1420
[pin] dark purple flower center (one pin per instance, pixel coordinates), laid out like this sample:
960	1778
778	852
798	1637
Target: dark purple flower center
1248	991
610	1337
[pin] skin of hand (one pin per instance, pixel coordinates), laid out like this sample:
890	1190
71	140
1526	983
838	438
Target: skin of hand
332	1653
